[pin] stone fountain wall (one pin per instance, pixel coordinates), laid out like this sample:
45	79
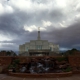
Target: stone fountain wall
73	60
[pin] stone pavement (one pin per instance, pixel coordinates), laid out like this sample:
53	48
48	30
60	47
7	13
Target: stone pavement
5	77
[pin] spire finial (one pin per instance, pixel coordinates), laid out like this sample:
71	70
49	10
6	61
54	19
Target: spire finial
39	33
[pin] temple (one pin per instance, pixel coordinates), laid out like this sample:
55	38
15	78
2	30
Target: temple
38	47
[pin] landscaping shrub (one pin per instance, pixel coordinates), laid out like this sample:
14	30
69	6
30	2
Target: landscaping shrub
68	69
62	59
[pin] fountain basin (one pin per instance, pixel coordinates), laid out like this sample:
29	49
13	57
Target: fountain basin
42	75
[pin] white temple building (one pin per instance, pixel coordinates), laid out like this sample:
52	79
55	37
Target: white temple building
38	47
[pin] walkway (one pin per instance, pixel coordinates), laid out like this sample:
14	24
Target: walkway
5	77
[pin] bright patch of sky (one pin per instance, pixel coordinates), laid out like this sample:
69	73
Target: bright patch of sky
5	38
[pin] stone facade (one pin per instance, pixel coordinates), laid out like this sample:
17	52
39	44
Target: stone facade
39	46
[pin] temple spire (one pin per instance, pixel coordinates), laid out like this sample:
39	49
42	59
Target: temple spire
39	33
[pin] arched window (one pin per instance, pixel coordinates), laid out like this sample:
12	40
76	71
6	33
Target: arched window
27	49
50	48
39	47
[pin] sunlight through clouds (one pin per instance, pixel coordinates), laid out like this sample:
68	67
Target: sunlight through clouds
61	3
4	38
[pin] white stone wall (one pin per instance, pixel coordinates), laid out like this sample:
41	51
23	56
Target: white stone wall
22	48
34	43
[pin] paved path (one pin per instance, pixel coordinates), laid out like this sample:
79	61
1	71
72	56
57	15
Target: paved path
5	77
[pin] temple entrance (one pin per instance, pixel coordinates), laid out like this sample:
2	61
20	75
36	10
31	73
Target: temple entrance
39	52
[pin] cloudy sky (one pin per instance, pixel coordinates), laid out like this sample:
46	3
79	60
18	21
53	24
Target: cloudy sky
59	21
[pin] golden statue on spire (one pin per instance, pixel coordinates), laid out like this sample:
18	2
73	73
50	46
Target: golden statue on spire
38	28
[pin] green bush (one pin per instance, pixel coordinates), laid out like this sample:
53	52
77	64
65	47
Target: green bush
68	69
14	64
16	61
10	66
62	59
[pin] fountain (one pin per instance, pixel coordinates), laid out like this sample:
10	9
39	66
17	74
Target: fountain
46	65
42	66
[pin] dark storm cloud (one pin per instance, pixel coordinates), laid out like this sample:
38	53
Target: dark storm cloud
66	37
8	24
14	23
